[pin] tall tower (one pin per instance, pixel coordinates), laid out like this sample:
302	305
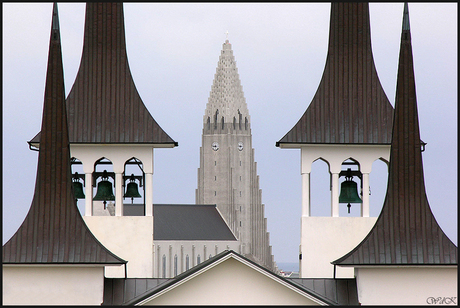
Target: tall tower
110	131
347	124
406	243
227	175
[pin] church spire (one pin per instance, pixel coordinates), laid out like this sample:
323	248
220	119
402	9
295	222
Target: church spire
350	105
226	103
53	230
406	231
103	104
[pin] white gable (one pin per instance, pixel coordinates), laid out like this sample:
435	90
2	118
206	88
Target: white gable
231	281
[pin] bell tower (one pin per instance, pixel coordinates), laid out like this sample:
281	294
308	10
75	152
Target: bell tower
112	138
227	175
348	124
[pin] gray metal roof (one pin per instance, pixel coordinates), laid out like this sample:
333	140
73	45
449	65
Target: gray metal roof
350	105
406	232
118	291
53	231
189	222
103	105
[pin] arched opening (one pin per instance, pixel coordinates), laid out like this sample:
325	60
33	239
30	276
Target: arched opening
351	190
320	189
378	181
133	188
103	188
78	179
187	262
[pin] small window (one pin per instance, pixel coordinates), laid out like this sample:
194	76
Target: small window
187	263
198	259
175	265
164	266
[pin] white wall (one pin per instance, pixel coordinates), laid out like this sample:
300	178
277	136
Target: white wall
406	285
325	239
128	237
53	285
230	283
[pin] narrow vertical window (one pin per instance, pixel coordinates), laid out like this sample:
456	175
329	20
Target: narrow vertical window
187	263
198	259
175	265
164	266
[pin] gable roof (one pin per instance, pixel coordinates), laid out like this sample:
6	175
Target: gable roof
350	105
53	231
406	232
136	291
103	105
189	222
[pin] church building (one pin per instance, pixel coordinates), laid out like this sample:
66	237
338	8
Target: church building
217	251
227	175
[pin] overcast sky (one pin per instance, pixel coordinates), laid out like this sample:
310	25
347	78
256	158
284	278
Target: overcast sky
280	51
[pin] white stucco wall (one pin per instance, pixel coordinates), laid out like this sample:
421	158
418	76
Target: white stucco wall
325	239
230	283
128	237
407	285
53	285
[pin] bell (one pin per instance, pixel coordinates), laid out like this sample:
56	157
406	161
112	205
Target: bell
132	189
78	190
104	192
349	193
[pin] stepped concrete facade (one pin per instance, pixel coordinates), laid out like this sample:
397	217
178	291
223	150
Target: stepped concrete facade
227	175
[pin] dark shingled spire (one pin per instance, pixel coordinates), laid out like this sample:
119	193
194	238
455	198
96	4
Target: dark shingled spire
104	105
350	105
406	232
53	230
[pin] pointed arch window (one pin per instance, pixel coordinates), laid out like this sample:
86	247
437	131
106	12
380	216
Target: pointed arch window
245	123
240	117
208	123
222	122
234	123
215	119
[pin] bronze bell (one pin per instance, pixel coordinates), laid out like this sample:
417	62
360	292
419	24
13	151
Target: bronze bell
78	190
104	190
349	193
132	189
77	187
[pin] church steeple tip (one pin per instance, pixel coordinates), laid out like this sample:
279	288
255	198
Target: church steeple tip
55	23
406	24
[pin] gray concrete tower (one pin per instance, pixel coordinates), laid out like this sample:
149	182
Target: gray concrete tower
227	175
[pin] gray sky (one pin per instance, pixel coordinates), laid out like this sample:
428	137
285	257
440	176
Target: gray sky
280	51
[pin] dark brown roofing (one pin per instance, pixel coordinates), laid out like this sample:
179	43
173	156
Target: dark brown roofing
104	105
350	105
406	232
53	230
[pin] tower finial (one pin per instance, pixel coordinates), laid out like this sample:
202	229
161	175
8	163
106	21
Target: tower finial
226	35
406	25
